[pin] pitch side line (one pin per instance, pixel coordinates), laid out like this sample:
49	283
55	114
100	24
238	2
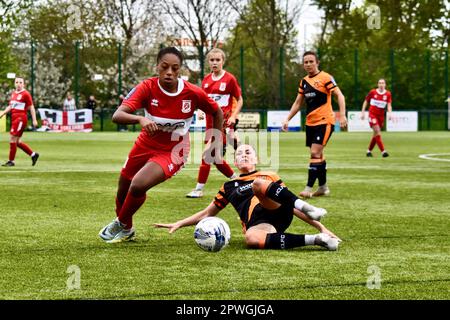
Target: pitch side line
431	156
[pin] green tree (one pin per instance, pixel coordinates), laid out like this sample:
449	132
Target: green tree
266	32
407	47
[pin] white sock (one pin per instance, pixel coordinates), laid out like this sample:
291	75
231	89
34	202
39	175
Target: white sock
300	204
310	239
200	186
32	155
234	176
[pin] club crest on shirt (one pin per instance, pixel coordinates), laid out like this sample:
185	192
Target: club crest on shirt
206	85
317	83
384	97
186	106
19	96
223	86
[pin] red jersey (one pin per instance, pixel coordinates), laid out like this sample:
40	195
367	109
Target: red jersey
222	90
20	102
172	112
378	101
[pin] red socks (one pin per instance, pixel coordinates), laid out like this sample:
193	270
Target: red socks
379	143
376	140
12	151
25	148
129	208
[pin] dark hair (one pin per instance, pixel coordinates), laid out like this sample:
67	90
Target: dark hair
311	53
169	50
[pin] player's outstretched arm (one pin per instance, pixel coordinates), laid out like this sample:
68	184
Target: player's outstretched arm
294	109
2	113
316	224
33	116
342	109
363	110
209	211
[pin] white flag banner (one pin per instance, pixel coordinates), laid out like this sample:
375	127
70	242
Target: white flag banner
66	121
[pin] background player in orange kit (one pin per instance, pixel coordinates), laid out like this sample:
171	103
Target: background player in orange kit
378	99
21	101
162	147
266	208
223	87
316	90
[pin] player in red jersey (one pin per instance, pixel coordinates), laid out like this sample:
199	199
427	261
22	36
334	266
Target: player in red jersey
378	99
223	87
21	101
266	208
162	147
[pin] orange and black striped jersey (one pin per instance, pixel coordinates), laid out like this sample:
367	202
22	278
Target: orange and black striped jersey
240	194
317	93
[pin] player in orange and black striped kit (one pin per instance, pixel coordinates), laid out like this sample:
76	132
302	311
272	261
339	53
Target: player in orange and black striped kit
316	90
266	208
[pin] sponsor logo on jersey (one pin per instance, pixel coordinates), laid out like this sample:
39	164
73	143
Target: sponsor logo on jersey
186	106
244	188
223	86
310	95
154	102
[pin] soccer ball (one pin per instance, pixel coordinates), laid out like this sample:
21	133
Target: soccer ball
212	234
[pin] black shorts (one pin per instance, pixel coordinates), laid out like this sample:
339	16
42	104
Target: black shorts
280	218
318	134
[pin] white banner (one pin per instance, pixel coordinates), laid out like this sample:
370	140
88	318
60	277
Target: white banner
66	121
402	121
275	120
355	124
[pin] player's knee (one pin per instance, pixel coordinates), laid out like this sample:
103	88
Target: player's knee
259	186
137	188
254	240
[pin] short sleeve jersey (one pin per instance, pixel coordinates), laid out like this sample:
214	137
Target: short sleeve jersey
317	91
378	101
222	90
172	112
20	102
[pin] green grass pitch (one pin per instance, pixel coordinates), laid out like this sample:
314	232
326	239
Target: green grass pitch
392	213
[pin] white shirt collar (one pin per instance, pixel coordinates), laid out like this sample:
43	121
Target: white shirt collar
179	89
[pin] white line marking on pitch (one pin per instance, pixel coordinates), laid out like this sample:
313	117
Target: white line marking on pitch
431	156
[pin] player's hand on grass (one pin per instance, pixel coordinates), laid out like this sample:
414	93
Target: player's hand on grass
171	226
148	125
331	234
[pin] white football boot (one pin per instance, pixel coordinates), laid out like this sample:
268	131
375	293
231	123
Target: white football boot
326	241
195	194
124	236
111	230
313	212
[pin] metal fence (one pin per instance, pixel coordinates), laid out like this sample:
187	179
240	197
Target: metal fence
418	79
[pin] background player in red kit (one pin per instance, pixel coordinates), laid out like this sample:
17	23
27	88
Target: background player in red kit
223	87
378	99
163	144
21	101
